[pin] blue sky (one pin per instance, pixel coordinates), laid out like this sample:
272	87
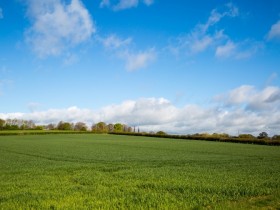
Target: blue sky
178	66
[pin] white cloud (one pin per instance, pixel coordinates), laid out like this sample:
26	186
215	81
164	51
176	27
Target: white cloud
122	49
200	45
248	110
204	37
114	42
239	50
215	17
148	2
135	61
226	50
105	3
274	32
232	11
70	59
201	38
237	96
271	79
1	13
266	100
124	4
57	26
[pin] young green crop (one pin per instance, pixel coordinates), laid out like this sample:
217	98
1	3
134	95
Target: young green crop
126	172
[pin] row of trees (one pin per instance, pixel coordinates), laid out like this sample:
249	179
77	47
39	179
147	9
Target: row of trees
102	127
16	124
262	135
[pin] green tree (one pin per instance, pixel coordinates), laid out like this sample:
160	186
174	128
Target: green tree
2	124
39	127
246	136
263	135
160	133
64	126
110	127
118	127
80	126
276	137
50	126
100	127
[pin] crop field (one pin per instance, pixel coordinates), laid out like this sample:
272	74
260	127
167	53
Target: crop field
86	171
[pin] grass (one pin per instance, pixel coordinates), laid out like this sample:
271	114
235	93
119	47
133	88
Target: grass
128	172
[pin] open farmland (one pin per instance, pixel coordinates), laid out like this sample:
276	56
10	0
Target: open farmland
127	172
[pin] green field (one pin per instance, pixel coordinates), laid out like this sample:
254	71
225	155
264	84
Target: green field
68	171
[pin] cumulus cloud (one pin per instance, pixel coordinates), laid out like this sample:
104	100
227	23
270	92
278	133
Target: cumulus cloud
124	4
1	13
247	110
57	26
266	100
274	32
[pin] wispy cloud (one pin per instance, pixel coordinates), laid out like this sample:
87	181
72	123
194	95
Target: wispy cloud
148	2
122	49
200	38
70	59
114	42
138	60
247	110
226	50
105	3
239	50
274	32
230	10
57	26
1	13
272	78
203	37
124	4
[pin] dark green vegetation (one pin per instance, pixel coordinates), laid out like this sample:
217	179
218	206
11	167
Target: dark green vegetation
25	127
275	141
128	172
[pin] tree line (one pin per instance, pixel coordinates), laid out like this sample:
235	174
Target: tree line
102	127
